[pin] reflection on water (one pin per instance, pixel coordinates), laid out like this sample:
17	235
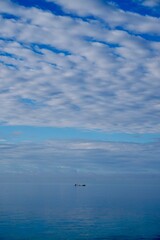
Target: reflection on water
36	212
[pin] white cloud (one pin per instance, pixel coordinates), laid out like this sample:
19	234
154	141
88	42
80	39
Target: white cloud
151	3
79	158
113	16
64	71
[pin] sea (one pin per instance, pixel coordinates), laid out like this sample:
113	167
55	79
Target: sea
63	211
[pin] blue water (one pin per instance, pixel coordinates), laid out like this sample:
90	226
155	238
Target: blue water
65	212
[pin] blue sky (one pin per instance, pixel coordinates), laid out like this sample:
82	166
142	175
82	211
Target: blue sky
18	134
84	71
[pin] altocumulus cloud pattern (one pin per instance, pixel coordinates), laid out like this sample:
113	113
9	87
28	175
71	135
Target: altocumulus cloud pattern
90	64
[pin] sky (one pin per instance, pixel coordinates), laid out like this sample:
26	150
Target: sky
79	88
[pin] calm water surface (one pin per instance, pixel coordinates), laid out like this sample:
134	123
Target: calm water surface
65	212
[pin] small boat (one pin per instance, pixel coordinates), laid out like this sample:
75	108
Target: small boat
79	185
